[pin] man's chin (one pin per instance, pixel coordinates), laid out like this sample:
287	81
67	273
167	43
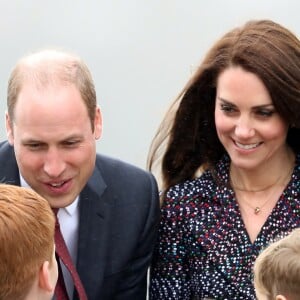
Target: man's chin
59	202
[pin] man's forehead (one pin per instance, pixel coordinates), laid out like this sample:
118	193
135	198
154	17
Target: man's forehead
39	80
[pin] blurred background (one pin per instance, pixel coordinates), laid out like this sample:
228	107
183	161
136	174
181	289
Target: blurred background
140	52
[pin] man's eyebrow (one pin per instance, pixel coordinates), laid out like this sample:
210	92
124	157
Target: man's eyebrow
67	138
78	136
31	141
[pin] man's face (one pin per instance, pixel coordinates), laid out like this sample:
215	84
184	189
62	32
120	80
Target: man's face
53	141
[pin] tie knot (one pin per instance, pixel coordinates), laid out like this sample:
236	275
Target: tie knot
55	210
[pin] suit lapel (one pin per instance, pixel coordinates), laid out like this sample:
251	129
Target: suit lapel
92	234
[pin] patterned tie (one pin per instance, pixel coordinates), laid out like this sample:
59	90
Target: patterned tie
64	255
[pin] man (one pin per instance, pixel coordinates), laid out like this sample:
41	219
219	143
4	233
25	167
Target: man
28	268
108	210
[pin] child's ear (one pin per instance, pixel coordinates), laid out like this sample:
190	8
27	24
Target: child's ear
280	297
45	279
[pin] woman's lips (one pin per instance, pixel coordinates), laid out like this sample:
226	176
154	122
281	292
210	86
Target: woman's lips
247	146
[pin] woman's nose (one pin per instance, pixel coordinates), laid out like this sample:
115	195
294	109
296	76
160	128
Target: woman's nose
244	128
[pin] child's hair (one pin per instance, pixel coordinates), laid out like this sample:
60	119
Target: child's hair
26	239
277	268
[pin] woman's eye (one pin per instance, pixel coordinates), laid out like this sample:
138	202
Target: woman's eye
227	108
265	113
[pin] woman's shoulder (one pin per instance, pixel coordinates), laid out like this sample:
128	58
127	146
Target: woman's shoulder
191	190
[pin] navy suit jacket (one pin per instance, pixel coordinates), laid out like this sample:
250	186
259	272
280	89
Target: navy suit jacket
119	212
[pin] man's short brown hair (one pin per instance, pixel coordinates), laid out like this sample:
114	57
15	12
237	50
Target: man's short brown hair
50	67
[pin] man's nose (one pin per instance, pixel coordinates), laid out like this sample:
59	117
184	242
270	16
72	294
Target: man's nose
54	164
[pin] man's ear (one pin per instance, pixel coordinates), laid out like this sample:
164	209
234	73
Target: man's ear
45	281
9	129
98	123
280	297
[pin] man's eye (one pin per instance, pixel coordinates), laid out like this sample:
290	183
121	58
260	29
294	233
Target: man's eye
70	143
34	146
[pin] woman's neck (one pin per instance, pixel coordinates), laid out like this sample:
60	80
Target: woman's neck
270	174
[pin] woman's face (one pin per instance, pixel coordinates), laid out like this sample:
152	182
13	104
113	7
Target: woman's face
247	124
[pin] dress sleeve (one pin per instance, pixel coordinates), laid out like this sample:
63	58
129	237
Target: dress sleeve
169	273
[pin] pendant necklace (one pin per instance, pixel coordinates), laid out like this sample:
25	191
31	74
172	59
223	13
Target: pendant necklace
257	209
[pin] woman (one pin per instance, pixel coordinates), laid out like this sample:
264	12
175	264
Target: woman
238	122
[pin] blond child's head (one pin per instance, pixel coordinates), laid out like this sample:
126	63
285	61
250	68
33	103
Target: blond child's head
277	269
